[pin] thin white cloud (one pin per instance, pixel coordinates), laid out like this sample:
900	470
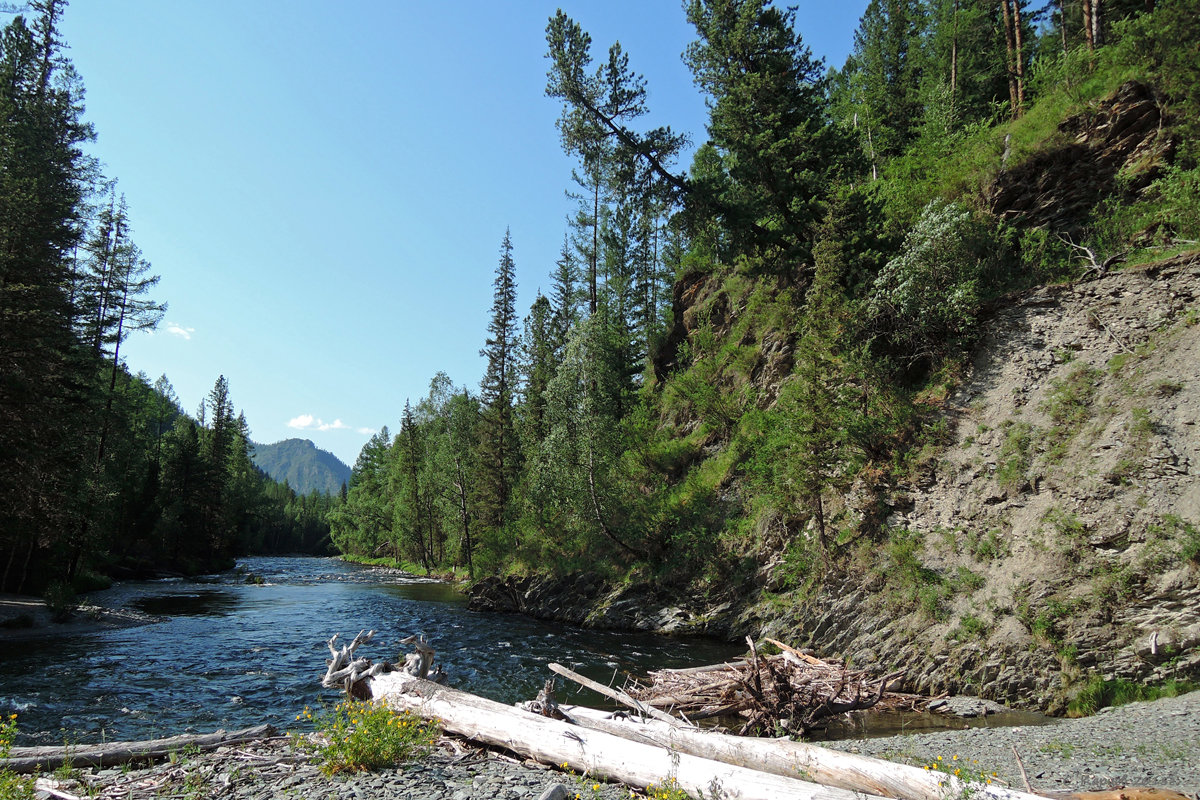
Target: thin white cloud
367	431
183	332
307	422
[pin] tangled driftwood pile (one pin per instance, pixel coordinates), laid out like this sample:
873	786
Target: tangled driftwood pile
646	747
788	692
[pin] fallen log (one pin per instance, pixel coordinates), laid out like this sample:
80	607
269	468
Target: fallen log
794	759
614	694
588	751
48	758
639	752
792	691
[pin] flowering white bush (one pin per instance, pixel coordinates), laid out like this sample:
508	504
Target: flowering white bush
929	296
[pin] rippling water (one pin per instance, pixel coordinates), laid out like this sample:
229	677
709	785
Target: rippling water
231	654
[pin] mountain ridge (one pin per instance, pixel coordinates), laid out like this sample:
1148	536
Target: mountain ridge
304	466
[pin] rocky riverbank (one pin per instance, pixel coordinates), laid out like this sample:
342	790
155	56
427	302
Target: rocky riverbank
1142	744
271	768
23	617
1054	536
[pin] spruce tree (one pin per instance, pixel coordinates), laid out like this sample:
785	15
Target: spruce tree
499	453
564	297
44	402
888	54
774	152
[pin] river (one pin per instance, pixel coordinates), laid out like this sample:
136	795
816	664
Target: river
225	653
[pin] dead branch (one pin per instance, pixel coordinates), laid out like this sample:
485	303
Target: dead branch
765	694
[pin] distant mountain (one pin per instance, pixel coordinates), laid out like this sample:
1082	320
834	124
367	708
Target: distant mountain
303	465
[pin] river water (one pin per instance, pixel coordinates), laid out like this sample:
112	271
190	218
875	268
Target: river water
226	653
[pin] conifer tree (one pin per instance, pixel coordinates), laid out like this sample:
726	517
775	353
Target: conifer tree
44	404
888	54
774	152
411	501
499	453
564	298
537	368
362	524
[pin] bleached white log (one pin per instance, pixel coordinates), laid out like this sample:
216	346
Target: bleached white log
797	759
49	758
615	694
588	751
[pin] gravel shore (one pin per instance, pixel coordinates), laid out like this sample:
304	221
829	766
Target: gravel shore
1140	744
272	768
1143	744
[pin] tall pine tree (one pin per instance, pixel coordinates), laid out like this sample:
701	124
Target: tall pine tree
499	450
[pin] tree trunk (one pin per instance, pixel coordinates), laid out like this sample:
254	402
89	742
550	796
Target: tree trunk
592	293
1020	56
47	759
1010	47
788	758
1088	30
1062	30
587	751
954	55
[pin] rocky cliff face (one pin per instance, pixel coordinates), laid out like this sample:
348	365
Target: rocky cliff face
1056	532
1117	148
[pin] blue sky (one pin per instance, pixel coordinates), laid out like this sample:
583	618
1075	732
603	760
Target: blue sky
324	186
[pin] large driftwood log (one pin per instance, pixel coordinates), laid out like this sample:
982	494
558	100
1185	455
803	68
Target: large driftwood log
31	759
589	751
615	694
790	758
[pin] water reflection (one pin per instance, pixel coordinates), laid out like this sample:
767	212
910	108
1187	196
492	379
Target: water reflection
231	653
209	602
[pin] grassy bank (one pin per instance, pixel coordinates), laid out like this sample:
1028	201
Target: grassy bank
451	574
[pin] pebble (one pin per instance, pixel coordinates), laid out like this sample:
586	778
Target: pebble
270	769
1141	744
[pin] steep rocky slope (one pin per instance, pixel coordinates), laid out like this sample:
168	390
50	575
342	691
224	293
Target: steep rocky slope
1049	529
1052	533
1115	149
1056	531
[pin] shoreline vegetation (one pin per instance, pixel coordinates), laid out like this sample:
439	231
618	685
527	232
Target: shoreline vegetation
449	574
741	388
1143	744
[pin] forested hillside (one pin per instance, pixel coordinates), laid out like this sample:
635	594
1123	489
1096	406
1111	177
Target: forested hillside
305	467
101	473
743	365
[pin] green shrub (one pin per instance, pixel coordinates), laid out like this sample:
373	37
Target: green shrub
929	296
12	785
1099	693
1182	531
969	627
1070	399
90	581
1016	456
61	600
357	735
